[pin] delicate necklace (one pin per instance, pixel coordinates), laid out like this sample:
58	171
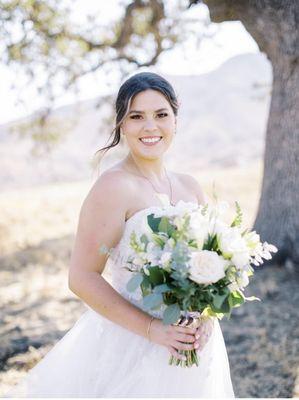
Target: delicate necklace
170	200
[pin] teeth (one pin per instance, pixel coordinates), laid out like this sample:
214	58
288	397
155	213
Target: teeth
151	140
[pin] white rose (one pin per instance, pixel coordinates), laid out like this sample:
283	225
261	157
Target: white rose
207	267
240	258
233	245
219	227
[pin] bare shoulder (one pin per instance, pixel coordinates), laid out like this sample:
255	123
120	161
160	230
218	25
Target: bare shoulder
193	185
113	187
104	208
101	222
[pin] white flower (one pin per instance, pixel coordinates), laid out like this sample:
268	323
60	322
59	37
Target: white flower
169	244
153	253
165	260
221	207
180	209
242	279
179	221
240	258
138	261
233	286
145	270
218	227
270	247
262	251
233	246
198	228
252	239
207	267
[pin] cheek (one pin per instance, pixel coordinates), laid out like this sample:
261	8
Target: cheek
129	127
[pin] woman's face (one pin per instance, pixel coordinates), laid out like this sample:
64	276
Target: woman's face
150	116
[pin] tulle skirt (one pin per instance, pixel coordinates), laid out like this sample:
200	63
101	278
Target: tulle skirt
98	358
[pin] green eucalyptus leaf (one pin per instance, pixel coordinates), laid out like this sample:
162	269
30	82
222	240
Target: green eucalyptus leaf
153	222
171	314
218	300
161	288
134	282
152	301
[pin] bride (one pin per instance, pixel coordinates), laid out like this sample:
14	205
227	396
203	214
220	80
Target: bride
117	349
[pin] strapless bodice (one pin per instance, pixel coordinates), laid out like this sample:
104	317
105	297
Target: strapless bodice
114	268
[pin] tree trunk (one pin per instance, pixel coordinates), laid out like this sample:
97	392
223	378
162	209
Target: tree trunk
278	215
274	26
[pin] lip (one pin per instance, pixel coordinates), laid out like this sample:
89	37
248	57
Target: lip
150	137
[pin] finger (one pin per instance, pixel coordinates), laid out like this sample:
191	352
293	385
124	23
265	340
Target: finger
175	353
198	332
185	346
182	337
184	329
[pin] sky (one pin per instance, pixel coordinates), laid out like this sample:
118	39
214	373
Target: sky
223	41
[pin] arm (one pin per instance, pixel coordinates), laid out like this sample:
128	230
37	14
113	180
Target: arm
101	221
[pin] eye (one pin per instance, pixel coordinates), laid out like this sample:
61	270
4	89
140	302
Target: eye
162	115
135	116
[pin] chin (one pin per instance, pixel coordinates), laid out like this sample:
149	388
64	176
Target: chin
151	156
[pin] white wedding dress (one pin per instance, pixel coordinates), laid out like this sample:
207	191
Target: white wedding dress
99	358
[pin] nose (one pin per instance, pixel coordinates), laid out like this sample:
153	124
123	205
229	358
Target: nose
150	125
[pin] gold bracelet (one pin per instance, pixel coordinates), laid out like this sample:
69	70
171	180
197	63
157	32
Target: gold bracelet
148	328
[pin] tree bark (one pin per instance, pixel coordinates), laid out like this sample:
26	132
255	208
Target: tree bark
274	26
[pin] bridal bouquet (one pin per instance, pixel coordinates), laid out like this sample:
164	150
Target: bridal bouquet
194	264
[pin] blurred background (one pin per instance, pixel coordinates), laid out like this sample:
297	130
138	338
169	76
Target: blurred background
234	66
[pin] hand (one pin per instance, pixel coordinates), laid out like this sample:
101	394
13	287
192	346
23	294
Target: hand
204	332
174	337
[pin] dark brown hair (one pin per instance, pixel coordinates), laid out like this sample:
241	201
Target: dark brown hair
130	88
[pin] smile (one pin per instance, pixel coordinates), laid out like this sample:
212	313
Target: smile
150	141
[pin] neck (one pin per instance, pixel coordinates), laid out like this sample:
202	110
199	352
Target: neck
152	169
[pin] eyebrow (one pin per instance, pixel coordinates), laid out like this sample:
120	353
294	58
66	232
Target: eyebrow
142	112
